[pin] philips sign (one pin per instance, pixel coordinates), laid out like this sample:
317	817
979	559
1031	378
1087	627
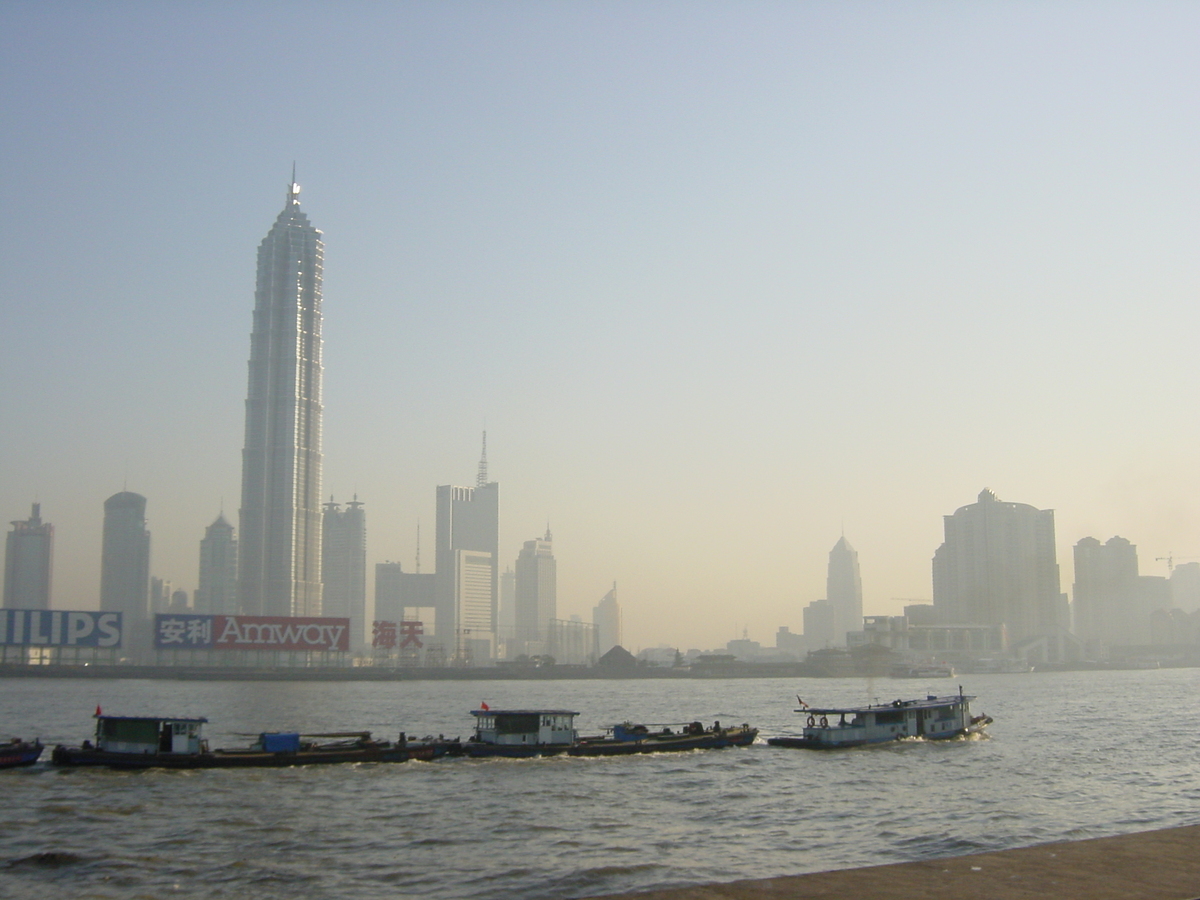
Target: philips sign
196	632
59	628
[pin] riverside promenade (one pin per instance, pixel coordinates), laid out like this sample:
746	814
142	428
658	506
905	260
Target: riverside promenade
1150	865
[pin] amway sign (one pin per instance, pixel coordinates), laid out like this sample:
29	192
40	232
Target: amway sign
196	632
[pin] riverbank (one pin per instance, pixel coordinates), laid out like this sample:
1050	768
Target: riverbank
1154	865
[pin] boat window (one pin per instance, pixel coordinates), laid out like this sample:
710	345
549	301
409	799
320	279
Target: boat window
890	717
517	724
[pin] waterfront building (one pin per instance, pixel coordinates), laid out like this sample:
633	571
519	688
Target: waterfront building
506	614
572	642
467	575
843	591
606	615
344	567
1105	596
279	570
401	595
998	566
819	627
536	593
1185	586
29	562
125	567
217	593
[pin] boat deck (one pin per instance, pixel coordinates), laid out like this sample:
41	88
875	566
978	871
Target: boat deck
1149	865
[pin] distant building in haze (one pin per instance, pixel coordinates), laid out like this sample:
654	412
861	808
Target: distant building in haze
1105	597
606	616
217	593
997	566
125	567
536	591
1185	586
29	562
843	591
403	595
467	573
280	532
820	628
344	567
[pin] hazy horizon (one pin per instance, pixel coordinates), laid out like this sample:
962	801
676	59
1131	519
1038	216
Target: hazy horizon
723	282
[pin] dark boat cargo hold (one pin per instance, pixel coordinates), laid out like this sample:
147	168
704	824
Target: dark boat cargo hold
150	742
551	732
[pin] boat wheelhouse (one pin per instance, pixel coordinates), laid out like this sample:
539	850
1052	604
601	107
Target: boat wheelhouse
522	732
934	718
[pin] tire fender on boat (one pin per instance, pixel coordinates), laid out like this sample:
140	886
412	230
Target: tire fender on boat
824	722
812	721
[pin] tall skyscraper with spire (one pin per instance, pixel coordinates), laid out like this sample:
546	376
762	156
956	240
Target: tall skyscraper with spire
279	569
843	591
466	584
217	593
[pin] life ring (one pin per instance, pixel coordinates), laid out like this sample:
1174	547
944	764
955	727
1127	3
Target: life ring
811	721
824	722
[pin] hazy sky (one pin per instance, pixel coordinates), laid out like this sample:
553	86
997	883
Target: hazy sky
721	280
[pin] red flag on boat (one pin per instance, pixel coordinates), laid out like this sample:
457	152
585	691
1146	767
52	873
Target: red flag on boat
98	713
484	706
801	702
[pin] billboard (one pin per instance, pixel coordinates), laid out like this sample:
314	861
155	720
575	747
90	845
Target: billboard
59	628
199	632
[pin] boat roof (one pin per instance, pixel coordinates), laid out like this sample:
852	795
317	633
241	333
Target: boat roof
524	712
930	702
151	718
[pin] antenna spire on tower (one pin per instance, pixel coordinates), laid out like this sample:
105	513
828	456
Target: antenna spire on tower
293	188
418	546
481	479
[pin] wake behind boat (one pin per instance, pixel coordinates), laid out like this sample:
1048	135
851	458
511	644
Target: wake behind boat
149	742
934	718
551	732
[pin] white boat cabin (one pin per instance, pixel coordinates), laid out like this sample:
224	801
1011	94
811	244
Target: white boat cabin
528	727
148	734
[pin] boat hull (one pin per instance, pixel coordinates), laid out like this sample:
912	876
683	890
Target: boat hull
709	740
20	753
248	759
817	741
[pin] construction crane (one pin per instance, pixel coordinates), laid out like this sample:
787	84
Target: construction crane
1170	558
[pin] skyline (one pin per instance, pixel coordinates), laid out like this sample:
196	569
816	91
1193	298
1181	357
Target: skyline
721	283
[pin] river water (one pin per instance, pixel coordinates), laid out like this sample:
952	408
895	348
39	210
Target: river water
1070	755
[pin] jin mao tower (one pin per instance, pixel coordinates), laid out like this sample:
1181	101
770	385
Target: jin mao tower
279	569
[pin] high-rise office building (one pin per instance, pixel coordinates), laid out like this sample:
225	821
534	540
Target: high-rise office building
536	591
606	615
28	562
217	594
125	566
467	576
997	566
279	570
344	567
843	590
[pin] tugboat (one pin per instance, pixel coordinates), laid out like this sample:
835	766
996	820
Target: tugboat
551	732
157	742
18	753
934	718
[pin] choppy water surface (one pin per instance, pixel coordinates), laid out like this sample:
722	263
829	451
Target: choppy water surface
1071	755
